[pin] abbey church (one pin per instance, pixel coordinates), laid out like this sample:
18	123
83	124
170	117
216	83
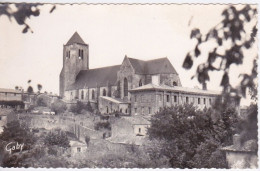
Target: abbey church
134	87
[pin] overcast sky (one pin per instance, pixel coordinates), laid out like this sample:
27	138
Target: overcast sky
112	31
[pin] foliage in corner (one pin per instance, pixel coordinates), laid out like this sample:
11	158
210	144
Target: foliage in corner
231	31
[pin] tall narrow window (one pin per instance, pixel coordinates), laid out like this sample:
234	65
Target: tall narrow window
69	54
210	101
140	83
198	100
168	98
204	100
82	53
104	92
125	87
149	110
175	99
82	94
187	99
79	53
139	130
93	94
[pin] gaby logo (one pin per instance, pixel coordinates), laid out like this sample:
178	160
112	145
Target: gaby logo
12	146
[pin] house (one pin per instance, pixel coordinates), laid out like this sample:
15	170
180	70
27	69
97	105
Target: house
241	156
134	86
10	98
77	147
129	130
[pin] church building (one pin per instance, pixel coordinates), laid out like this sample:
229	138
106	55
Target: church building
134	87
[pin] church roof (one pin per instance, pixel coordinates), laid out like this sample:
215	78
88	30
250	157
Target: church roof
98	77
156	66
75	38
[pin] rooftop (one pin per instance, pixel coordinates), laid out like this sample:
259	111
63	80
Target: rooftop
75	38
175	88
155	66
6	90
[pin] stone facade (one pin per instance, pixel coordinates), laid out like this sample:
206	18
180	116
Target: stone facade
121	83
147	101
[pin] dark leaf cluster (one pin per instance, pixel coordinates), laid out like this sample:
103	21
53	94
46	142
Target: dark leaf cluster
231	28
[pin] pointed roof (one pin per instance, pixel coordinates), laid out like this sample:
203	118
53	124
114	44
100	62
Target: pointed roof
75	38
155	66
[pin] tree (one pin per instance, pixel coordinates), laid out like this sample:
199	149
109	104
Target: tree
239	27
43	100
30	90
58	138
23	12
39	86
58	106
230	29
89	107
190	137
77	108
18	132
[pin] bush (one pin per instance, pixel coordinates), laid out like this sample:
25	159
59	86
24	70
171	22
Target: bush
104	125
58	106
57	137
87	139
43	100
77	108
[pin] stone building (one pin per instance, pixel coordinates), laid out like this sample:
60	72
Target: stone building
135	86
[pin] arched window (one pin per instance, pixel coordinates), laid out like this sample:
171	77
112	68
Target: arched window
174	83
140	83
104	92
93	94
82	94
125	87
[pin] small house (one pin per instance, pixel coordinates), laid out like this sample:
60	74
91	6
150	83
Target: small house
77	147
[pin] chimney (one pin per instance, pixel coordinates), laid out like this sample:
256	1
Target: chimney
204	86
236	141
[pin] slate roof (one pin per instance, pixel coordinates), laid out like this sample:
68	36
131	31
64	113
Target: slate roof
7	90
175	88
155	66
75	38
96	77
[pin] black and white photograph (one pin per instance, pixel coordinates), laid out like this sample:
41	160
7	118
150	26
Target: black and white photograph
121	85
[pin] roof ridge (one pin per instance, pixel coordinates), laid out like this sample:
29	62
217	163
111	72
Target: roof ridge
135	59
156	59
103	67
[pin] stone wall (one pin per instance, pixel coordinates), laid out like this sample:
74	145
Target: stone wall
150	102
72	64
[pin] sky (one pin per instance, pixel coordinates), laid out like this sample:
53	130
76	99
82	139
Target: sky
112	31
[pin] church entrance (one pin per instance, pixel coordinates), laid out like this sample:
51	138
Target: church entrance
125	87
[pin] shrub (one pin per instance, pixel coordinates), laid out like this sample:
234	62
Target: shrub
57	137
89	107
87	139
77	108
104	125
58	106
43	100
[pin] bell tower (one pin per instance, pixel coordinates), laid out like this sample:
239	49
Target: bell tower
75	59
